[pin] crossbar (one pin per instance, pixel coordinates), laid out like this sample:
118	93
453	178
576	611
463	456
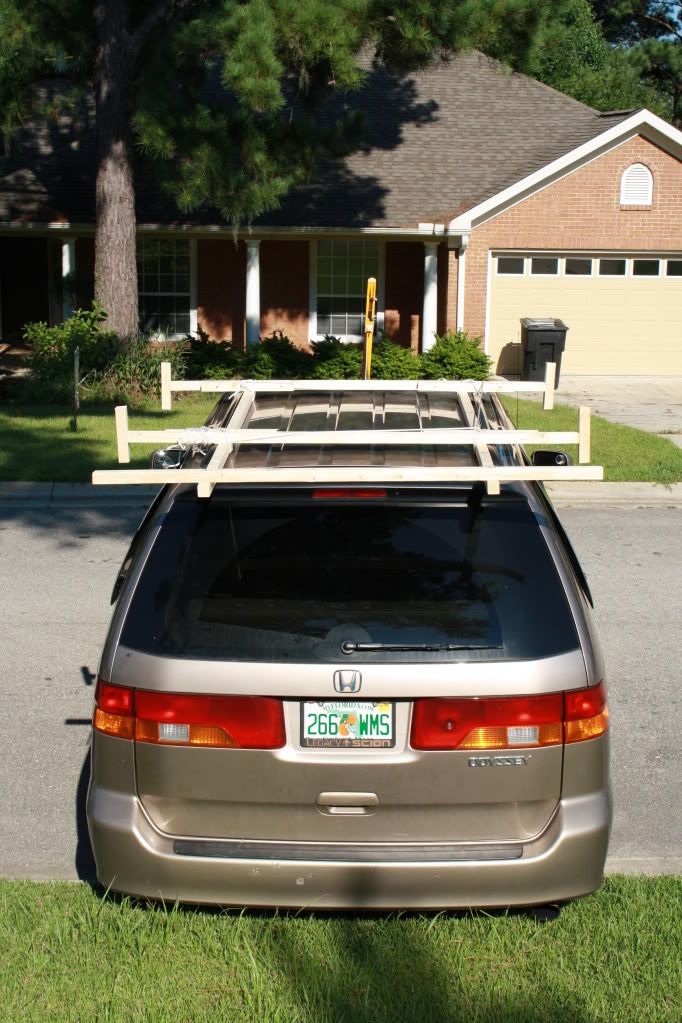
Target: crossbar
473	387
353	474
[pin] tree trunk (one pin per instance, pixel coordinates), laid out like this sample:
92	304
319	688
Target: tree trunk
115	262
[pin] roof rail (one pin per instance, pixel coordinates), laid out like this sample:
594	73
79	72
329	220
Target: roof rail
225	439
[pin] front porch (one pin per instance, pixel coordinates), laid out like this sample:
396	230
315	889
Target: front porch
239	291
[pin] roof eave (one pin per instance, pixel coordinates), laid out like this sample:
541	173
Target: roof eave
643	122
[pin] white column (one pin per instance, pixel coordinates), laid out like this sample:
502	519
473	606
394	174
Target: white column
461	277
252	292
430	307
68	272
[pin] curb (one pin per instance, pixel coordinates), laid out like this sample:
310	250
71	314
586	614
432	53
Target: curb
566	495
74	495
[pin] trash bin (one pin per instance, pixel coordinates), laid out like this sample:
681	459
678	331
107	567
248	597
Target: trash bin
543	341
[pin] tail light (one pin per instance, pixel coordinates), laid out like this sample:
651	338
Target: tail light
509	722
586	714
180	719
349	493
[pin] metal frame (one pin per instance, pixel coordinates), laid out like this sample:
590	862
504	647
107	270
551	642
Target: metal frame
468	393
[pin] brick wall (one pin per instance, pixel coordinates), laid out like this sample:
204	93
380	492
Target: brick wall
582	212
284	286
221	288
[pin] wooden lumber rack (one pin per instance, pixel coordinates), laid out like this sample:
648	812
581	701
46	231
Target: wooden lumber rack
469	395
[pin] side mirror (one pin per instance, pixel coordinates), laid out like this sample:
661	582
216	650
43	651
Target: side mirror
550	458
168	458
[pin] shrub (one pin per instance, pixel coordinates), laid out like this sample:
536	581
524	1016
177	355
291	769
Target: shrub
334	359
276	357
212	360
390	361
53	347
455	356
135	372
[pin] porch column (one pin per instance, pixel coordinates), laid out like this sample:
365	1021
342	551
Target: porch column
68	274
252	292
430	307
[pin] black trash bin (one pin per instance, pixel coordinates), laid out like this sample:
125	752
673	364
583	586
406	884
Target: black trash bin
543	341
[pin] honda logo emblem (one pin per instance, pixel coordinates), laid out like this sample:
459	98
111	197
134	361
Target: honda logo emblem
347	681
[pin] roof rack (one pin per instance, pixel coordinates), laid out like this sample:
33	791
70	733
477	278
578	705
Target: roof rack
469	395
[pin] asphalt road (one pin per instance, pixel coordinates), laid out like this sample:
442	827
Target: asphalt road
58	567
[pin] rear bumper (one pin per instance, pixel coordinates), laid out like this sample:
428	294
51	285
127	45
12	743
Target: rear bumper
565	861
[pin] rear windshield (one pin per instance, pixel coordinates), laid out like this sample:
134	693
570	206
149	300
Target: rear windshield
284	582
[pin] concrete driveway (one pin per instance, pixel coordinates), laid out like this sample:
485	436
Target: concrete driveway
650	403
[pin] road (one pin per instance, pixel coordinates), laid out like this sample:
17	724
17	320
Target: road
58	567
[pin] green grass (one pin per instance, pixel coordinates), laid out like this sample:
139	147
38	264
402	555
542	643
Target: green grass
38	442
69	954
627	454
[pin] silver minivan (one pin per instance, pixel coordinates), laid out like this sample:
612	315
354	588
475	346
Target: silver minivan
359	696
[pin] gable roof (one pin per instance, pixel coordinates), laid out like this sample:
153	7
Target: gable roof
437	143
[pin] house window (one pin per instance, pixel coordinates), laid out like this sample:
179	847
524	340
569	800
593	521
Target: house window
163	280
645	268
342	271
577	267
636	186
510	264
544	265
674	268
612	267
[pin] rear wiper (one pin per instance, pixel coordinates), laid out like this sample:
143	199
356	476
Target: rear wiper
349	646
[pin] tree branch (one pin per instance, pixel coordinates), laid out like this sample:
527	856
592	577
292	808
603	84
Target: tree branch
154	18
664	24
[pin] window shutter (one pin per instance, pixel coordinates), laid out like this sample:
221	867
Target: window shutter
636	186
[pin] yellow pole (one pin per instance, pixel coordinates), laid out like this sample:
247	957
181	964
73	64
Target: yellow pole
370	314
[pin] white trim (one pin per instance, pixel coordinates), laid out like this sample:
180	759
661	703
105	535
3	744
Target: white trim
312	291
642	122
488	296
193	287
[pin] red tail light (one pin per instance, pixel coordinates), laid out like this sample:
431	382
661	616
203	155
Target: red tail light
181	719
346	493
509	722
586	714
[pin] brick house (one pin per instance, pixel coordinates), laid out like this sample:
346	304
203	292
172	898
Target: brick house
481	196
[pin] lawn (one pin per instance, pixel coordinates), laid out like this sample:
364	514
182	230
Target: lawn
627	454
70	954
39	443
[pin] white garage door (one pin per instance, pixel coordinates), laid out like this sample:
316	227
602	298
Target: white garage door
624	313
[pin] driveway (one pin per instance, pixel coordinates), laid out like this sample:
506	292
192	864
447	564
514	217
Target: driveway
650	403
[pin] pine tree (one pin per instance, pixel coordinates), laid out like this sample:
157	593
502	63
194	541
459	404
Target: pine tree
217	98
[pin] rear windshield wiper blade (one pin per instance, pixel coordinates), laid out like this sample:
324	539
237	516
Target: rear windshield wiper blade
349	646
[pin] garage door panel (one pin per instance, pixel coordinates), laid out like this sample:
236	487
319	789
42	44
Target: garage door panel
616	324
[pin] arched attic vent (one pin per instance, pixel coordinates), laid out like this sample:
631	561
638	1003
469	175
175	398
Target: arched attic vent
636	186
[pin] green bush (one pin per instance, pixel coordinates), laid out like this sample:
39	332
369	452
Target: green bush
455	356
277	358
212	360
334	359
135	372
53	347
390	361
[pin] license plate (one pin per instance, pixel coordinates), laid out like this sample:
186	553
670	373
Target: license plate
348	724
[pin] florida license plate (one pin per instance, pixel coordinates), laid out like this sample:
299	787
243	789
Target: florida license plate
348	724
